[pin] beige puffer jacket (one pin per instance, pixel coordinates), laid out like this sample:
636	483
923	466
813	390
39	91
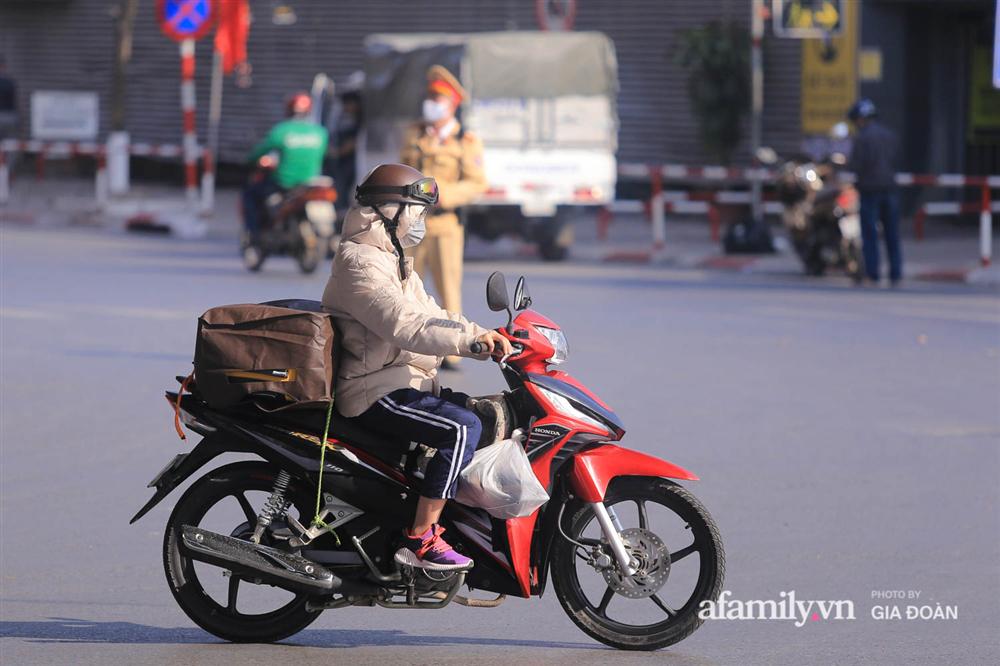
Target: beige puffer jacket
393	334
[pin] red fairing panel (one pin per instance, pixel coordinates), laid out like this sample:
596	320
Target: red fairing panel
594	469
520	530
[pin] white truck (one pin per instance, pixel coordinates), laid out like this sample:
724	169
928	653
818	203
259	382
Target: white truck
543	103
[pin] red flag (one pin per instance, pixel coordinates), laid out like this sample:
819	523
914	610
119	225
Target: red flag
231	35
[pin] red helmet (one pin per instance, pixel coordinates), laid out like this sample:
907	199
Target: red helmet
298	104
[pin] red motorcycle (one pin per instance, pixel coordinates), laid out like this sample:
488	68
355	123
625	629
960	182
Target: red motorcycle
631	553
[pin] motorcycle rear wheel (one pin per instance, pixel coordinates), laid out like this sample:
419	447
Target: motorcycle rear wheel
310	252
681	621
308	259
227	622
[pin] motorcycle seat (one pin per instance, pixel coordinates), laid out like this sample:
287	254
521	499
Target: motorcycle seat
312	420
303	188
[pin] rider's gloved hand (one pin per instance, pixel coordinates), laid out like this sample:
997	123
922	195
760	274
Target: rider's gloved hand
494	344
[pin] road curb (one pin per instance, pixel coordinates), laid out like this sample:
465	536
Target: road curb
769	263
988	275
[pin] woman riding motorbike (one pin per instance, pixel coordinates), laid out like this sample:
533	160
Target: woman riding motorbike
394	336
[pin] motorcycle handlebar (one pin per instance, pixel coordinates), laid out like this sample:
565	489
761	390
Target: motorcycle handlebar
479	348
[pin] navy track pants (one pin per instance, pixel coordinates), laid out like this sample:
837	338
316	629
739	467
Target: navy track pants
440	422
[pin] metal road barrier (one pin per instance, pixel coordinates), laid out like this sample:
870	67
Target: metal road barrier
46	150
663	201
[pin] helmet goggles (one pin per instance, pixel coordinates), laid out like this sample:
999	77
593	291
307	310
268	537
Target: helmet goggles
424	191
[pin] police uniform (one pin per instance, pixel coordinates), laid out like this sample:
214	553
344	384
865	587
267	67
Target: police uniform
455	160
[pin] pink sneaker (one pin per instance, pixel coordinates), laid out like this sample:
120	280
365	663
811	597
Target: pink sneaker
430	551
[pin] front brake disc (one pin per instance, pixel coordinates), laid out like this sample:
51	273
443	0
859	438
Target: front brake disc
652	560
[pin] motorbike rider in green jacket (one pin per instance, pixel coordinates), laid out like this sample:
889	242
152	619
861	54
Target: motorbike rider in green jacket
300	145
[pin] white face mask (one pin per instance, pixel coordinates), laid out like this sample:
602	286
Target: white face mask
413	225
436	110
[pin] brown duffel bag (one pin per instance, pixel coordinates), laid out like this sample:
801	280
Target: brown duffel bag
281	353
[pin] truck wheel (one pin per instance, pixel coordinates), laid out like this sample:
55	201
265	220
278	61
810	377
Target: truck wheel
552	251
556	247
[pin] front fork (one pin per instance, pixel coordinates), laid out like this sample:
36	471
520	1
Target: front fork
612	528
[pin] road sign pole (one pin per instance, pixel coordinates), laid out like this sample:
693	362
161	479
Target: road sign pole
212	151
186	21
757	108
188	108
986	228
4	177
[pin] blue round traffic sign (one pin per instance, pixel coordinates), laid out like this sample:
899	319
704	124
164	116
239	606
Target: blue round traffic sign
185	19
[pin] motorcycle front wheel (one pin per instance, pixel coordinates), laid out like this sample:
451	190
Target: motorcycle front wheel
680	558
252	253
854	264
225	605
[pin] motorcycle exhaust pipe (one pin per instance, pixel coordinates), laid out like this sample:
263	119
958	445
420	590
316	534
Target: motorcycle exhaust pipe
268	565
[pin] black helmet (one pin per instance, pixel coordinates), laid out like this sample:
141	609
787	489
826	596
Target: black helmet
863	108
396	183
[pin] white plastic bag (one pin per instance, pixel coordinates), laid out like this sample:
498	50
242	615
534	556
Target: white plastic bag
499	479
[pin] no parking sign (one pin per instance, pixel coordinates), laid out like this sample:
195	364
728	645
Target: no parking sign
185	19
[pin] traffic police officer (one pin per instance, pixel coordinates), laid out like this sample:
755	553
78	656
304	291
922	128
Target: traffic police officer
440	149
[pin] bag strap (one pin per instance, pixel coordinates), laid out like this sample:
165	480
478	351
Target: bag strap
317	521
322	453
177	407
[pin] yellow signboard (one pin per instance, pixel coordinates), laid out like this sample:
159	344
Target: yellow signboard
830	75
984	99
808	18
870	64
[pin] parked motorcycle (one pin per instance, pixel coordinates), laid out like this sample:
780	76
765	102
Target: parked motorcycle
298	222
631	553
821	215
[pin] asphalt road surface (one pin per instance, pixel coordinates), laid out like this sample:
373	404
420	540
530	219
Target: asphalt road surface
847	442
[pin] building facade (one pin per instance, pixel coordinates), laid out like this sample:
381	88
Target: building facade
923	85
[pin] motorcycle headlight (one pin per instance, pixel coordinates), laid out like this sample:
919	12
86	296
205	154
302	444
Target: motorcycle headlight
566	407
558	342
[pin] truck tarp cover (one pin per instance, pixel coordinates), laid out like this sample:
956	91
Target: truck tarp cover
499	65
533	64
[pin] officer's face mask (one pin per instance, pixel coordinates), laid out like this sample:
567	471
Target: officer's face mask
436	110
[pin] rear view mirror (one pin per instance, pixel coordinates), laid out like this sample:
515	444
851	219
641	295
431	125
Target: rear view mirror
522	299
496	292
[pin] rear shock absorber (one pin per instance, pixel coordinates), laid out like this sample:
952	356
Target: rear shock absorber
275	506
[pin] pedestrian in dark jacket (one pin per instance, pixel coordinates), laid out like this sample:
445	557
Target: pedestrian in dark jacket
8	102
873	160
